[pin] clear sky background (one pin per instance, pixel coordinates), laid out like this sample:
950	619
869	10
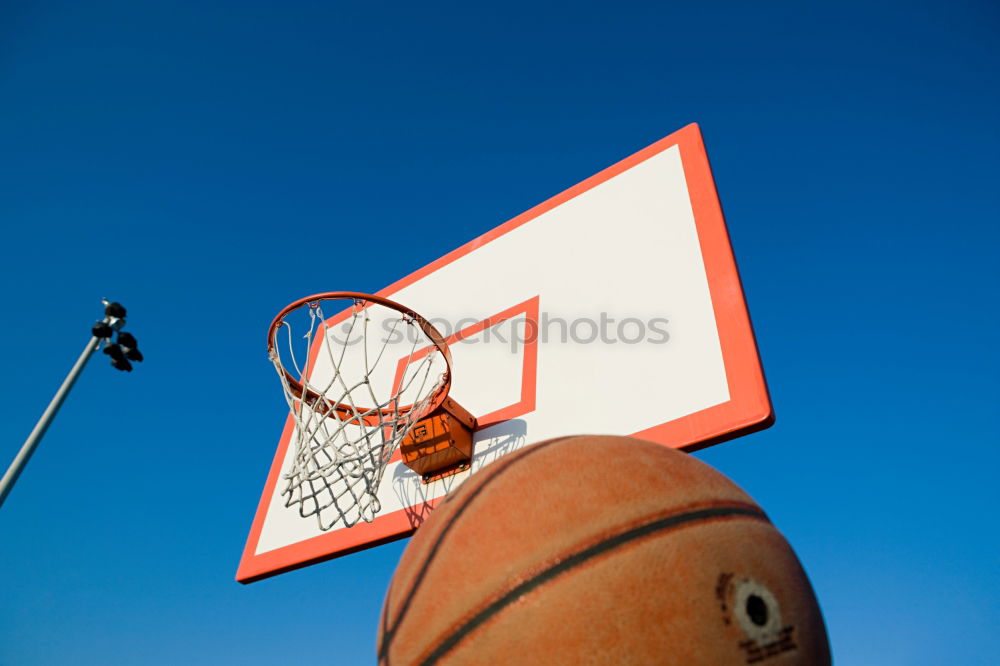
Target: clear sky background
207	163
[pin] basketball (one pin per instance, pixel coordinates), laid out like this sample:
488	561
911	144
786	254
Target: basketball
600	550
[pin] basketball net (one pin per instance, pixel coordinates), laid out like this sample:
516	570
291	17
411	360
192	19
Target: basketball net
345	433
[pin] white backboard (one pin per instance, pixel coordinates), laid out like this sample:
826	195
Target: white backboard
614	307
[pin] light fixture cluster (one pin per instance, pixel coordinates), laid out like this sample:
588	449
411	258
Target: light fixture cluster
124	348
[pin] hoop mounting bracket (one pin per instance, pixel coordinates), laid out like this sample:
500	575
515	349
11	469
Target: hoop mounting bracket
441	444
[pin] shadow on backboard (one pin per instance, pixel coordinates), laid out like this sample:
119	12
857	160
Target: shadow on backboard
490	444
497	441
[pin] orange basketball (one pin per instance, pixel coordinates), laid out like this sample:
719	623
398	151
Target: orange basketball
600	550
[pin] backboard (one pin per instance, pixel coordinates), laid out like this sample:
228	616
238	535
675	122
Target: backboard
614	307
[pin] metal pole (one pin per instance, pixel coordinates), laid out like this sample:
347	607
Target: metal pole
35	437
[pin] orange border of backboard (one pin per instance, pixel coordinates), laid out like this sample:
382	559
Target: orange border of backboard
747	410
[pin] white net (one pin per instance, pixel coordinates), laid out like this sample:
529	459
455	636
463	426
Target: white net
355	385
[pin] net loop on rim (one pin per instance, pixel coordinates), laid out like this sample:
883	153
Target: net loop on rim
351	400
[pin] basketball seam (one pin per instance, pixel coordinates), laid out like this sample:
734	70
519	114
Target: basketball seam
580	557
497	468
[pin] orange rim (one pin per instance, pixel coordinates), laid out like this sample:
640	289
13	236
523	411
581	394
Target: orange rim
371	416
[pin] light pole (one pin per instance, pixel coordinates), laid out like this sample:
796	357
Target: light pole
121	352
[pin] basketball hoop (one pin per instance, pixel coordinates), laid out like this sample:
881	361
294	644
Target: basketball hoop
351	412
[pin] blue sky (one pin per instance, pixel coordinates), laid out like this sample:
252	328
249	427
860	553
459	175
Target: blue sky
202	163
